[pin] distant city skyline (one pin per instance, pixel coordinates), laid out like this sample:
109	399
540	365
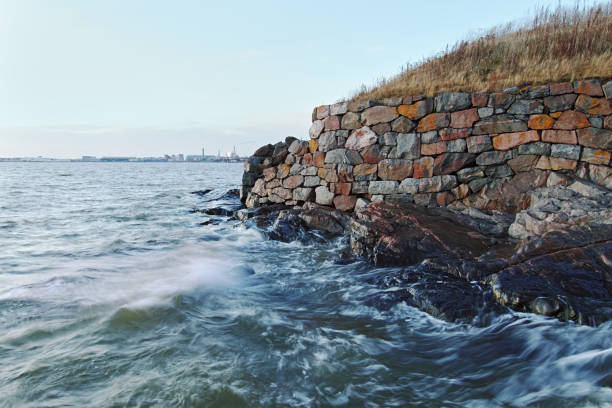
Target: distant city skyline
144	78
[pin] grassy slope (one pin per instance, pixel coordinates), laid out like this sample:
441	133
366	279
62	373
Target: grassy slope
556	45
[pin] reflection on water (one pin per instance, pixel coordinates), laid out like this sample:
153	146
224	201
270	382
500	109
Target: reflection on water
113	294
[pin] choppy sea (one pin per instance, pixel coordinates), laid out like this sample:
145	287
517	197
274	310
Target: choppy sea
114	292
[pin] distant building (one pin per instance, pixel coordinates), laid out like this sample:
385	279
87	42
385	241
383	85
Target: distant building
89	158
116	159
232	154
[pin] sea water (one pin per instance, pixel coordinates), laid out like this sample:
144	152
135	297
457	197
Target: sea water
113	293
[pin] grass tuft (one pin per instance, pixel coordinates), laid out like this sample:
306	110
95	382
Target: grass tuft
560	44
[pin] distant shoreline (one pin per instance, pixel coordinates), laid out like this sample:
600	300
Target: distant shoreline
51	160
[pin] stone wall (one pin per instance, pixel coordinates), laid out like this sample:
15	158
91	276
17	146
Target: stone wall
455	147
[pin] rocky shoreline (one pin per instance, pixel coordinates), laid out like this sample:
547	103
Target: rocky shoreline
553	258
504	197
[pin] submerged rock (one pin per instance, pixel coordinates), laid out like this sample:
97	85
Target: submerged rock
435	292
201	192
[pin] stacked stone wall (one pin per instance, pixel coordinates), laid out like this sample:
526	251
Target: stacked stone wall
454	147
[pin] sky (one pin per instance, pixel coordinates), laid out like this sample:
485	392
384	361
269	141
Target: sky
147	78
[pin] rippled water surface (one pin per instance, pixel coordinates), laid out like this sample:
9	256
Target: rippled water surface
113	294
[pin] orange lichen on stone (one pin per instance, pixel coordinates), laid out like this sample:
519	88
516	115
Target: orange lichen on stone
433	121
540	121
313	145
507	141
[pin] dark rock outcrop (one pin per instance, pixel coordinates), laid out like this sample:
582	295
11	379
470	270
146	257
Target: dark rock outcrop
554	257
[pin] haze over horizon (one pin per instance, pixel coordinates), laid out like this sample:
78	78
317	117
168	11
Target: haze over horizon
147	78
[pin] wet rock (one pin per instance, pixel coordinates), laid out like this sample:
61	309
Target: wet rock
288	227
393	234
428	288
569	282
201	193
225	212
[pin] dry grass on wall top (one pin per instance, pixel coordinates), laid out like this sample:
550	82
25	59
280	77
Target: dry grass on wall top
563	44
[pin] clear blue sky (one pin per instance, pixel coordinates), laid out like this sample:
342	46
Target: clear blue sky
131	77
